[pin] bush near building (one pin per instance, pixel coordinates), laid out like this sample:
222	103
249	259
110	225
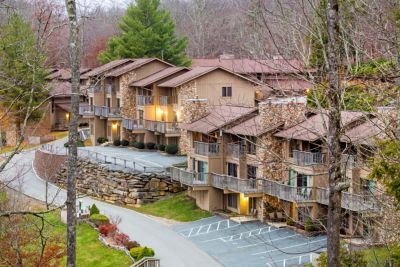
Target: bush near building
171	149
141	252
150	145
124	142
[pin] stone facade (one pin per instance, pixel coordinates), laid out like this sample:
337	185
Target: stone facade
192	110
120	187
128	100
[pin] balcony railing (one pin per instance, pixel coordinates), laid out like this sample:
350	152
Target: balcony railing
86	109
350	201
206	149
130	124
171	128
167	100
108	89
305	158
143	100
94	89
236	184
233	150
107	112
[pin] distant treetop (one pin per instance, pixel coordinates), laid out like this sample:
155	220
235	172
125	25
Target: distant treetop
146	31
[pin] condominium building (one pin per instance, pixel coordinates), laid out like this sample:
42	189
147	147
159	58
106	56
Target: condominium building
263	161
110	98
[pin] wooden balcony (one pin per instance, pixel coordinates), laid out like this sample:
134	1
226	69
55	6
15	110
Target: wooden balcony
353	202
107	112
86	110
206	149
132	125
144	100
306	158
233	150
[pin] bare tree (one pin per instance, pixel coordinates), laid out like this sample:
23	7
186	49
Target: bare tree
73	134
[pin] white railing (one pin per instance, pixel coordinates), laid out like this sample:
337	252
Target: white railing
107	112
147	262
305	158
206	149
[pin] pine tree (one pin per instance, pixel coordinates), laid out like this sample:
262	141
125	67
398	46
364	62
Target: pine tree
22	69
147	31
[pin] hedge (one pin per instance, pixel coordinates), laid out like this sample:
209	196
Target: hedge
99	219
150	145
171	149
124	142
141	252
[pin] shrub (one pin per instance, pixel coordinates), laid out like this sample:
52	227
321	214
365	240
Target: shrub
161	147
141	252
99	219
353	259
124	142
117	142
309	226
131	244
150	145
102	140
139	145
171	149
107	229
79	143
121	239
289	221
94	210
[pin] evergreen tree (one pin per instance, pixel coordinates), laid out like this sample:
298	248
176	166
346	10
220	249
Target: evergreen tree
22	69
146	31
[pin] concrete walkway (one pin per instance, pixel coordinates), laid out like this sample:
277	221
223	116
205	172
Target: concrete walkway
170	247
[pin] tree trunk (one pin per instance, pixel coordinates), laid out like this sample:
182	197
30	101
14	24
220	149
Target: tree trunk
333	94
73	135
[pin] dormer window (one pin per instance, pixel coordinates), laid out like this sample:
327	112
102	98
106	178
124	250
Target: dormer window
227	91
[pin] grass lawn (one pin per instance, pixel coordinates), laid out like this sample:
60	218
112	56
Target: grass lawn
7	149
178	207
59	135
90	251
377	256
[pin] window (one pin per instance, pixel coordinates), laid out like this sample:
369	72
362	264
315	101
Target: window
259	76
141	114
227	91
252	145
232	201
232	169
118	103
251	172
108	102
201	169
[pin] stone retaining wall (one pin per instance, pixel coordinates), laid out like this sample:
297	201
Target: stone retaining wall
120	187
112	186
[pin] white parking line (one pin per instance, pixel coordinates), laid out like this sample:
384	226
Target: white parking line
268	241
243	235
300	261
280	249
197	230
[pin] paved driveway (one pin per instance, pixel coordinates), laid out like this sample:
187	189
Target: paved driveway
250	244
172	249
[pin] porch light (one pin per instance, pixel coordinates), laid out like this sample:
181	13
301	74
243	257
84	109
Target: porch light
67	116
114	125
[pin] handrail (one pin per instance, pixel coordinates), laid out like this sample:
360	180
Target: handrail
206	149
115	162
306	158
147	262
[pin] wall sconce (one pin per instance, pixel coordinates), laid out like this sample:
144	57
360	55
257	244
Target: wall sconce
67	116
114	126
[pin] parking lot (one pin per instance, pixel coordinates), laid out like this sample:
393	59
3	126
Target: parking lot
251	244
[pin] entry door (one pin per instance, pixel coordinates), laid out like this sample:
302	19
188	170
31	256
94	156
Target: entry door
201	169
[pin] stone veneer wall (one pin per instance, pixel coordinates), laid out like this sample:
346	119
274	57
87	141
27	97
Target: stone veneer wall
112	186
192	110
120	187
270	151
128	101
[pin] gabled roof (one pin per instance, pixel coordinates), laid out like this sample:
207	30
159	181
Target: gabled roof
252	127
64	74
198	72
218	117
248	66
63	88
316	126
365	133
137	63
107	67
158	76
